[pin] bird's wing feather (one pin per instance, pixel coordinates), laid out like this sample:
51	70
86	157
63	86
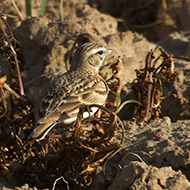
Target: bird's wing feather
63	107
62	102
56	93
96	96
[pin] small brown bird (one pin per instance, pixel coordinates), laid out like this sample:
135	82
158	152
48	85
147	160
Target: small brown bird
80	85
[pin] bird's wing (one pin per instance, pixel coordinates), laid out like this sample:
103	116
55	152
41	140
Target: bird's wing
64	107
60	101
57	92
97	95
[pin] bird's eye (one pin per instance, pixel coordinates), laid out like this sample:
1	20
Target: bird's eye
100	52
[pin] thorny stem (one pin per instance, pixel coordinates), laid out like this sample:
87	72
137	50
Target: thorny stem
149	64
14	55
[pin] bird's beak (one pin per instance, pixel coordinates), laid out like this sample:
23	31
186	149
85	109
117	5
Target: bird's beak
109	51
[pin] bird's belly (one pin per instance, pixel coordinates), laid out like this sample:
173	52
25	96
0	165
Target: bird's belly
86	114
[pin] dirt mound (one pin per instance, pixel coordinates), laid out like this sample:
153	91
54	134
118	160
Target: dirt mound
154	19
138	176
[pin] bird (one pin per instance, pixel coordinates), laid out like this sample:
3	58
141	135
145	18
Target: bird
81	85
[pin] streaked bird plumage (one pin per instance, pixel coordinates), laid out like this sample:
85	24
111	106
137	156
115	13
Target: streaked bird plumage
80	85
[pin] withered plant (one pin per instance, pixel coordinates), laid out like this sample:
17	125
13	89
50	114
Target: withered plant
148	84
14	124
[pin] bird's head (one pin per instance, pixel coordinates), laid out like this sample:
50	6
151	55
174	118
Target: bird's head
90	54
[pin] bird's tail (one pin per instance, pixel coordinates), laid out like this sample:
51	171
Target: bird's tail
41	131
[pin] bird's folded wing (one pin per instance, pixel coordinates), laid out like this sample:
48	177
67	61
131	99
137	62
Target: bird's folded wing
70	106
67	108
62	108
40	131
62	112
97	95
93	98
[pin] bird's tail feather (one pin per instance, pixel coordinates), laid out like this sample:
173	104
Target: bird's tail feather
41	131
